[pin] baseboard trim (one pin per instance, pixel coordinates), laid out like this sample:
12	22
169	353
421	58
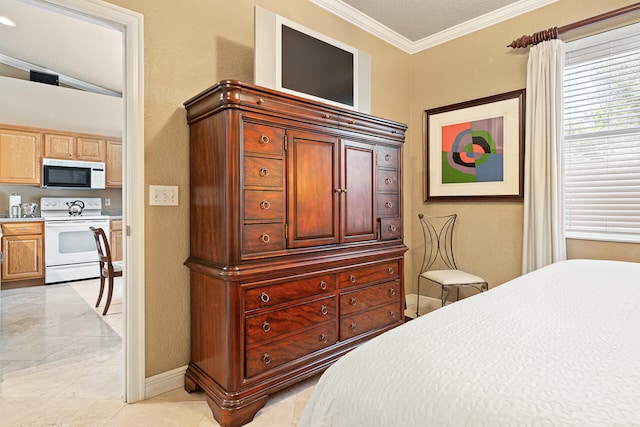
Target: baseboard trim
165	382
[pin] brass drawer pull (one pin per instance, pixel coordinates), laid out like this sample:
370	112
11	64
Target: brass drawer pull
387	157
387	181
266	326
326	116
392	227
264	172
390	270
324	310
266	358
323	285
264	139
264	297
352	278
260	100
324	338
265	238
265	205
392	314
388	205
352	327
352	301
392	292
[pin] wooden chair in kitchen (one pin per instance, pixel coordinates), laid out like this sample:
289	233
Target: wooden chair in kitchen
108	270
439	263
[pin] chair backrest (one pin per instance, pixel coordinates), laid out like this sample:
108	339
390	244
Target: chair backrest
102	244
437	232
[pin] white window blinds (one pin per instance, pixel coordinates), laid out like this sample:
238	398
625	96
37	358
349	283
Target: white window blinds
602	136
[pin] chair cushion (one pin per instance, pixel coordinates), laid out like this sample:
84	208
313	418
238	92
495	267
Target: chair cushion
452	277
117	267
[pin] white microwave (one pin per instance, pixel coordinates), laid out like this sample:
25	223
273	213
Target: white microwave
73	174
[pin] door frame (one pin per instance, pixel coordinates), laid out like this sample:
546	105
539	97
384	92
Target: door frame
130	23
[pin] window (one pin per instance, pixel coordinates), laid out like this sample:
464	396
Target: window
602	136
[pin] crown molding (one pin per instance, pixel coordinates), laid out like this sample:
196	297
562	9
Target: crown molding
350	14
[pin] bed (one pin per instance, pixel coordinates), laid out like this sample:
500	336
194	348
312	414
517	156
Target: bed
558	346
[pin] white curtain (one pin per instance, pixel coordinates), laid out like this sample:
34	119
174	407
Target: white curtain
543	237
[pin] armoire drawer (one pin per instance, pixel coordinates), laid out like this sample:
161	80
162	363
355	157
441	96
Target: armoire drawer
387	181
366	298
283	292
369	274
257	238
263	172
388	205
356	324
263	205
263	139
263	357
388	157
274	323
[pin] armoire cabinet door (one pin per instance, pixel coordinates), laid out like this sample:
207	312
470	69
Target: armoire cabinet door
313	190
358	192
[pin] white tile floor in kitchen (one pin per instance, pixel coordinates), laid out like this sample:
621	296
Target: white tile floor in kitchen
61	364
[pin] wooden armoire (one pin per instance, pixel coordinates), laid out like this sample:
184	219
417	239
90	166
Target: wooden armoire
296	252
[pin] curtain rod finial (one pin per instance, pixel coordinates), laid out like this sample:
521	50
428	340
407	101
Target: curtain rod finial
539	37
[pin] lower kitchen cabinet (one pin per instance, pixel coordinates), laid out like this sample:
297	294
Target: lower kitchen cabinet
116	240
22	251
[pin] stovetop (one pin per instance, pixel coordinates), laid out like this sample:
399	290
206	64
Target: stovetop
57	208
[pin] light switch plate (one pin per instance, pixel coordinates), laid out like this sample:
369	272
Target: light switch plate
163	195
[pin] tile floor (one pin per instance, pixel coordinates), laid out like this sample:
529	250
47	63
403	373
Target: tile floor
61	365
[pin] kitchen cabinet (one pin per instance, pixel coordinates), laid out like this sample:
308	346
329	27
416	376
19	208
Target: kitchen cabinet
113	167
74	147
22	251
296	250
20	156
115	240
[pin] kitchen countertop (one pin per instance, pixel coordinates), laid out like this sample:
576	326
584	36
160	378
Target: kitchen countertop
34	219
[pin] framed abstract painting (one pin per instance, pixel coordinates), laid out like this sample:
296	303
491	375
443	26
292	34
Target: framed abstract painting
475	149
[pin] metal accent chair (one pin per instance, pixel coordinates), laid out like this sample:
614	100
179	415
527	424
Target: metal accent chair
108	269
438	247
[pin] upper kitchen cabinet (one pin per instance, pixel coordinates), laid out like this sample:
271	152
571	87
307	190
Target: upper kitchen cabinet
74	147
20	155
113	163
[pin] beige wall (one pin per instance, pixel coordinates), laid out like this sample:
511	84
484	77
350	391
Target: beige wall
191	45
188	46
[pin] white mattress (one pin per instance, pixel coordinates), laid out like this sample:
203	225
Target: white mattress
559	346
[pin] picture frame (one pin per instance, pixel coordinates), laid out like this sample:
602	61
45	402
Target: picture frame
474	150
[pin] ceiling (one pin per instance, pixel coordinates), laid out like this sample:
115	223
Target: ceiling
411	25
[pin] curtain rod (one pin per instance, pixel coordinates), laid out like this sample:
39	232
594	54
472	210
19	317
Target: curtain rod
552	33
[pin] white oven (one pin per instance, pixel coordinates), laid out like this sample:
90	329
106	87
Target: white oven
69	246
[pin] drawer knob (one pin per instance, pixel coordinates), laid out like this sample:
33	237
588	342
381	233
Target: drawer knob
388	205
352	301
352	278
324	310
324	338
352	327
266	326
392	314
326	116
391	227
352	122
390	270
264	297
392	292
387	181
260	100
323	285
265	205
265	238
266	358
264	172
387	157
264	139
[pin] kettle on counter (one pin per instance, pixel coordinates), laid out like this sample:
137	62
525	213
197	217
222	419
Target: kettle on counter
75	207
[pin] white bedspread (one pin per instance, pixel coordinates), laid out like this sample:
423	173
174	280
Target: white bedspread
559	346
